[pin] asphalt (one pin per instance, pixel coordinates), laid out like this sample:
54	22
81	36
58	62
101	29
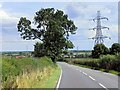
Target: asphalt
79	77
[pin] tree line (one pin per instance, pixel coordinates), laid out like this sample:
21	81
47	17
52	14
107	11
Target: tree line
101	49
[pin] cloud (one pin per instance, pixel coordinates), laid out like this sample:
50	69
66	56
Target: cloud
6	16
8	20
72	11
0	5
3	14
86	10
10	39
114	28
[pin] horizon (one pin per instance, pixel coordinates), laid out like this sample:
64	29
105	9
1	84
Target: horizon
33	50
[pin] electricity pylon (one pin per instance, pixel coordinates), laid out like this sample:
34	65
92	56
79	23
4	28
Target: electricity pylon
99	38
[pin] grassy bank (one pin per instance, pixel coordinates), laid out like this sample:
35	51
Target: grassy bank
29	73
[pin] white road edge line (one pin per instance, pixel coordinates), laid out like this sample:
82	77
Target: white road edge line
108	73
103	86
58	84
84	73
92	78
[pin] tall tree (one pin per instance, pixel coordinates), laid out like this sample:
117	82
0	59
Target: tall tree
52	27
99	49
115	49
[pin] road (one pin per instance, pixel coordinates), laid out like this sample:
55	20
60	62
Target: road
79	77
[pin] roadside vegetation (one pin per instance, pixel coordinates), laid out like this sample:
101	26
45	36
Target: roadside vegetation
107	63
102	58
29	73
52	28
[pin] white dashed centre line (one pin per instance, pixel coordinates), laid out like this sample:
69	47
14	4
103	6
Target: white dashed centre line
103	86
84	73
92	78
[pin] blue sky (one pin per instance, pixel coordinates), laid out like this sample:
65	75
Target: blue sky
79	12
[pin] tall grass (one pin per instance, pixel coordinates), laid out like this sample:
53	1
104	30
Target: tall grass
26	72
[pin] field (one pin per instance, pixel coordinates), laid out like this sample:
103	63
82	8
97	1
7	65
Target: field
79	54
29	72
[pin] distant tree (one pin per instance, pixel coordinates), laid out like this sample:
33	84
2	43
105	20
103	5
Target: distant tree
99	49
115	49
53	29
39	50
20	53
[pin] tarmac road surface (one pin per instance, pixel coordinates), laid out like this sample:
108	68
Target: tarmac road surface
79	77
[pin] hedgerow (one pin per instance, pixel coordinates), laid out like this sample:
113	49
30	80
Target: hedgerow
108	62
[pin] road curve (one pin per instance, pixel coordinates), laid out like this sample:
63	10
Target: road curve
79	77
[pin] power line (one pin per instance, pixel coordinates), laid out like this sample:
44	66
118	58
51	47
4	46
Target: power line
99	37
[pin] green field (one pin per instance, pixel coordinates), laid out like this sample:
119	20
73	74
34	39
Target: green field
29	73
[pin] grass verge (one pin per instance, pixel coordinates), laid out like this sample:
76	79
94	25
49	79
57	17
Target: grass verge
29	73
53	79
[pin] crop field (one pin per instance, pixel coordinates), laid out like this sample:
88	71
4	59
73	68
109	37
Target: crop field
29	72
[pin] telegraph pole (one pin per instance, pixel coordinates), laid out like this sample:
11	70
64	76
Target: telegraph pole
99	38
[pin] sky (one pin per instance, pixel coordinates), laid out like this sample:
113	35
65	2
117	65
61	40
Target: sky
79	12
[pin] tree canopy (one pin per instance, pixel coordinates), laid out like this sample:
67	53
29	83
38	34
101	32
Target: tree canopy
99	49
115	48
52	28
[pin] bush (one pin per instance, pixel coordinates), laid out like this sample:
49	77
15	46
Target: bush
118	62
118	56
107	61
110	62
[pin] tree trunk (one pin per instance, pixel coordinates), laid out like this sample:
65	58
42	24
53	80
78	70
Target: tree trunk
53	59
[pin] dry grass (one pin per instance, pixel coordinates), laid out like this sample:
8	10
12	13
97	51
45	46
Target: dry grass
32	79
35	79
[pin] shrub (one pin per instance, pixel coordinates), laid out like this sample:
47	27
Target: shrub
118	56
107	61
117	62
